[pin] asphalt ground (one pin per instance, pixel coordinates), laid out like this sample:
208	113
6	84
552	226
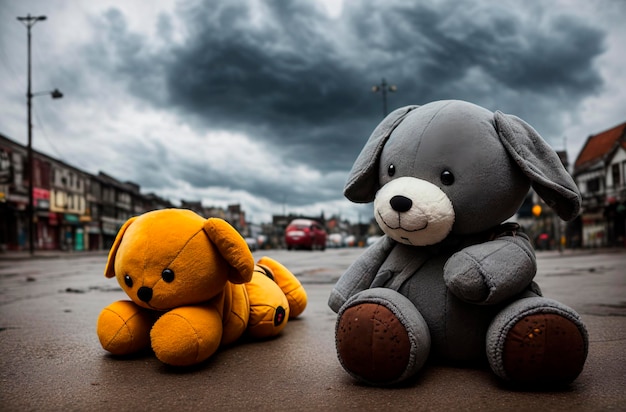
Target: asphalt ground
51	360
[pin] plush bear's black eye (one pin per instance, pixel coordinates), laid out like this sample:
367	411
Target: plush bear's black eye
128	281
447	178
391	170
168	275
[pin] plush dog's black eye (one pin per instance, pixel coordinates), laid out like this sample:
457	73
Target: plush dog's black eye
391	170
128	281
447	178
168	275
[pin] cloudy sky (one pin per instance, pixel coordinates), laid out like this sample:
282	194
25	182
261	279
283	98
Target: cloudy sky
268	103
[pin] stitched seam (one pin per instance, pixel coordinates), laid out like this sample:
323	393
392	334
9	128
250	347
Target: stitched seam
125	323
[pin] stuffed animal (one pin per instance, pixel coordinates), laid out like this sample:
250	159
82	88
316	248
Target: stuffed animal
452	279
194	287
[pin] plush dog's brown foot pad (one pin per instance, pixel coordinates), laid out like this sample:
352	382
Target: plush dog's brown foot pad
544	349
372	343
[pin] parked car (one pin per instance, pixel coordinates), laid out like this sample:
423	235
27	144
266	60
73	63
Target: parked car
350	241
335	240
305	234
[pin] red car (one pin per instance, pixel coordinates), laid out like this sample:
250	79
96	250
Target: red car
305	234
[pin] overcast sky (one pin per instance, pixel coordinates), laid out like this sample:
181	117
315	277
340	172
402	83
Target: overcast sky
268	103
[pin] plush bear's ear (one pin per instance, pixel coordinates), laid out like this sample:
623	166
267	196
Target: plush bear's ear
233	249
109	270
540	163
362	182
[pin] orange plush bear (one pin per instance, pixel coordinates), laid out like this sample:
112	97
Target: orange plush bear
194	287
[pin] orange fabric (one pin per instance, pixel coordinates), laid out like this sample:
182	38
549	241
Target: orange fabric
232	247
192	288
124	328
289	284
236	312
269	308
187	335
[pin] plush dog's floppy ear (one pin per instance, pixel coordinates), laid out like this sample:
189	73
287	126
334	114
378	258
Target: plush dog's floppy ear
362	182
109	270
233	249
540	163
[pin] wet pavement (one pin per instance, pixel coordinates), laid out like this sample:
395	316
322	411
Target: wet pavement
52	360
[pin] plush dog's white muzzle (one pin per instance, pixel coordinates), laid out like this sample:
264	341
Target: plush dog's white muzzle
413	211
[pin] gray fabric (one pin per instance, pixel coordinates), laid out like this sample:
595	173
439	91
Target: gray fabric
460	284
360	275
363	178
491	272
509	316
423	141
407	315
541	164
457	327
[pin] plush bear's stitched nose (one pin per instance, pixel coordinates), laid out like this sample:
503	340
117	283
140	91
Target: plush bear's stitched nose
144	293
400	203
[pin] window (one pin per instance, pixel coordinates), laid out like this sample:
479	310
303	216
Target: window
615	172
593	185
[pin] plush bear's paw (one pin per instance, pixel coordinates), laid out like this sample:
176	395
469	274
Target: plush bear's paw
544	349
288	283
269	308
187	335
381	340
124	328
537	342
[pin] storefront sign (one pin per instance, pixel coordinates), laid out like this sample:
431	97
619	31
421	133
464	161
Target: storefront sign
71	219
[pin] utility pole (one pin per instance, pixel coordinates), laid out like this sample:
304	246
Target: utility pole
29	21
383	87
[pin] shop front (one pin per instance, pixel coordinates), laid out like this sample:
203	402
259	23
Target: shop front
594	230
72	233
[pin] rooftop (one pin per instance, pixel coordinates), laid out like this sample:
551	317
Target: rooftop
599	145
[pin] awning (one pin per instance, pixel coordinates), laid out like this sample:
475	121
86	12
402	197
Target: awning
71	219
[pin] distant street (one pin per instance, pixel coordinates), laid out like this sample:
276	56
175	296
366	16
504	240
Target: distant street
51	358
593	282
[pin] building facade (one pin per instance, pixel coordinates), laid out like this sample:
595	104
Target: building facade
600	173
76	210
72	209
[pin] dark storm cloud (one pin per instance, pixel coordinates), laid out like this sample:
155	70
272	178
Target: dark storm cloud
292	73
300	81
285	76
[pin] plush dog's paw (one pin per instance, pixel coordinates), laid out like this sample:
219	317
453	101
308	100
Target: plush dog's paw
544	349
464	278
381	338
537	342
124	328
372	344
187	335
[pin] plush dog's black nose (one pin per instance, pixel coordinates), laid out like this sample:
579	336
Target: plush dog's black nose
400	203
144	293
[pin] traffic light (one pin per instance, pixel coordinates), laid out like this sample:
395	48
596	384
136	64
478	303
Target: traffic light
536	210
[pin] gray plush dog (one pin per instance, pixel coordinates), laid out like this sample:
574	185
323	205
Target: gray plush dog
449	279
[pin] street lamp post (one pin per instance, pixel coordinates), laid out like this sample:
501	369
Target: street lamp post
29	21
383	87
